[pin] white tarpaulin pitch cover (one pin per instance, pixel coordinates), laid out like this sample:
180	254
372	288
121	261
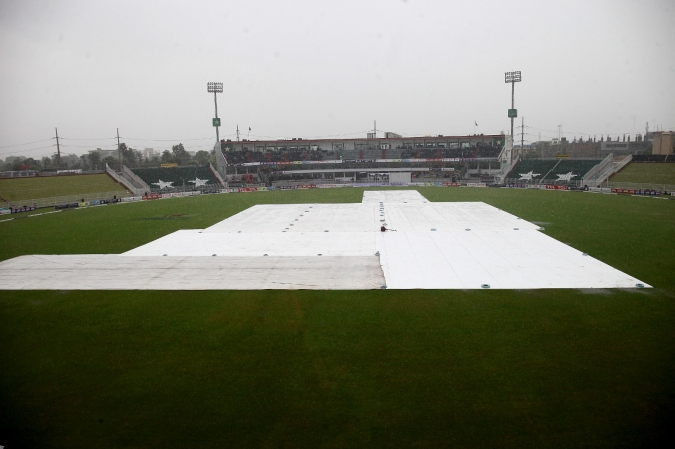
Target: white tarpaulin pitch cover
426	245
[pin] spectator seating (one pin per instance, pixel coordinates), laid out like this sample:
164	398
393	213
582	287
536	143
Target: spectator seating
179	176
537	166
292	155
438	153
488	151
578	167
247	156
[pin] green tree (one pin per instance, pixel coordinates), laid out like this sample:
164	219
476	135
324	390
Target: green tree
84	162
47	162
27	164
153	161
167	157
202	157
94	158
182	157
112	162
130	156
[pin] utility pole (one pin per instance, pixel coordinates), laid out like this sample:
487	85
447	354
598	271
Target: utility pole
119	149
513	78
522	137
375	128
237	133
58	150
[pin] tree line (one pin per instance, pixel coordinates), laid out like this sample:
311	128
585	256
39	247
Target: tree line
94	160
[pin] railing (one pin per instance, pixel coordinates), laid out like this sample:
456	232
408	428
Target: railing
628	159
221	162
640	186
596	174
310	181
611	169
142	186
125	182
67	199
217	175
541	180
18	174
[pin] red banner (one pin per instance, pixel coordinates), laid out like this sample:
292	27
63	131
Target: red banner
552	187
153	196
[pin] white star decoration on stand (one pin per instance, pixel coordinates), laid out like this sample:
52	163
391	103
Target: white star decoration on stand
163	184
528	176
199	182
566	176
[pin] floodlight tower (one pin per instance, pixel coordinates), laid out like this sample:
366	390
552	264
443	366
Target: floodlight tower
216	88
513	78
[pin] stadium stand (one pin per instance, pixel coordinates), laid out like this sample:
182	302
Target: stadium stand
179	176
237	157
488	151
549	169
537	166
578	167
247	156
439	153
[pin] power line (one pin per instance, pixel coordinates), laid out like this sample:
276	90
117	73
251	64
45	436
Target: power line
167	140
26	151
27	143
70	138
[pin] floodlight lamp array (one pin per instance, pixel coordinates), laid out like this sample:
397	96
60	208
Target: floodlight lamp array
214	87
512	77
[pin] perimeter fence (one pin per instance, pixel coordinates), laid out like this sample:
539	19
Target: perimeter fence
640	186
67	199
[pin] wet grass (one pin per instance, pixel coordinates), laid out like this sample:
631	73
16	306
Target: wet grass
530	368
647	172
17	189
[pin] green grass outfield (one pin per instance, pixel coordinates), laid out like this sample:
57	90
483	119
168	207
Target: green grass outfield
384	368
16	189
647	172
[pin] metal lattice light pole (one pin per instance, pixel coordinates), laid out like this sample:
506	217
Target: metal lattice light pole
513	78
216	88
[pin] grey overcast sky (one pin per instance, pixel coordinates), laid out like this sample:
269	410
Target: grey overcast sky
323	69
